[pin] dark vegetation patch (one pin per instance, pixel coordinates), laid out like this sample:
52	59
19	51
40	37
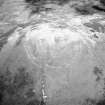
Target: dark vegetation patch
60	2
84	10
98	72
98	8
17	89
4	37
102	2
89	101
87	7
101	102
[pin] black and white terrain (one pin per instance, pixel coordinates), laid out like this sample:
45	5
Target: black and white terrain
52	52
